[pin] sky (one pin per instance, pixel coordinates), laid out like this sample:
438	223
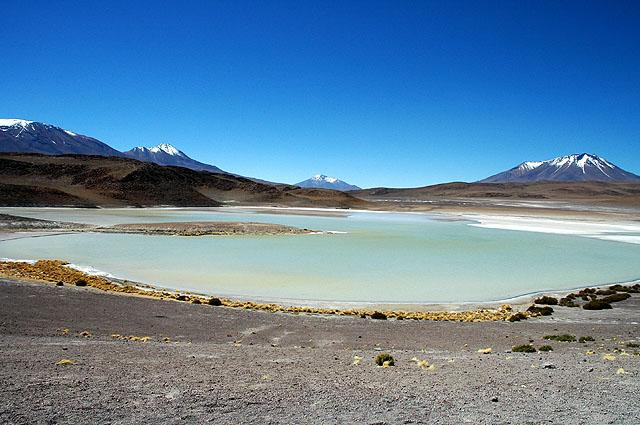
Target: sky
396	93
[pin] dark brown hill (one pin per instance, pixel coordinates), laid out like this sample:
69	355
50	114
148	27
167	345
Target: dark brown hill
81	180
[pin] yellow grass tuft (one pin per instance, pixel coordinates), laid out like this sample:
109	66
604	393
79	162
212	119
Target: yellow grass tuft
487	350
608	357
65	362
357	360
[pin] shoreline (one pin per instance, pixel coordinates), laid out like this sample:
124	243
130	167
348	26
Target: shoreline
49	271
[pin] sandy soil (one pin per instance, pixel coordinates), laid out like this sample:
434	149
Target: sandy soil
225	365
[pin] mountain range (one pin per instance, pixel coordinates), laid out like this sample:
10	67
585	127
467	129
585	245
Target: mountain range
35	137
320	181
23	136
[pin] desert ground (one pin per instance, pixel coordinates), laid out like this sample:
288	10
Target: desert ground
203	364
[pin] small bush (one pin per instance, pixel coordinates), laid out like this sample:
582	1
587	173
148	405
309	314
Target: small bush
542	311
584	339
631	289
596	305
383	358
560	338
525	348
616	297
81	282
59	283
605	292
181	298
546	300
517	317
215	301
378	315
633	345
196	301
567	302
545	348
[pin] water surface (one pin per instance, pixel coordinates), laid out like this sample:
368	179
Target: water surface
381	257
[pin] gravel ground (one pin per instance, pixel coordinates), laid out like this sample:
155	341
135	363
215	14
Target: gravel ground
224	365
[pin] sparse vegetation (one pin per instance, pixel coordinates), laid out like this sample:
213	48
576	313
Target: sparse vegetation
633	345
196	301
517	317
383	358
545	348
542	311
630	289
215	301
616	297
378	315
568	301
524	348
584	339
605	292
81	282
596	305
546	300
560	338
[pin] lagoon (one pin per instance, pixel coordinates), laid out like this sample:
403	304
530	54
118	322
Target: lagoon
370	257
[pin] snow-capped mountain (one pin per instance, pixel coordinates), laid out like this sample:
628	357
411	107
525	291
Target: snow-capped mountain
35	137
166	154
24	136
324	182
576	167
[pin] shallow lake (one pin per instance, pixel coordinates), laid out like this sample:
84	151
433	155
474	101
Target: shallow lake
374	257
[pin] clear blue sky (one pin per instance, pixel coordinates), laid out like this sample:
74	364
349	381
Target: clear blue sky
395	93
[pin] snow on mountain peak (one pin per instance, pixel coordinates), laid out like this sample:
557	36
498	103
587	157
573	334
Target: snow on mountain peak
580	160
322	177
166	148
9	122
530	165
162	147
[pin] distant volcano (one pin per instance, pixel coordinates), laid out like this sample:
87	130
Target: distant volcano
570	168
324	182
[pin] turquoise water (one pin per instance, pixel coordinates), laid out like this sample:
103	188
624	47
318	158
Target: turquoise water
382	258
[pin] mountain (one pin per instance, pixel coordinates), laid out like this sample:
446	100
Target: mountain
320	181
35	137
570	168
165	154
81	180
24	136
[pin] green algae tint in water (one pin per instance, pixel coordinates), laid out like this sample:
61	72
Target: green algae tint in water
395	258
